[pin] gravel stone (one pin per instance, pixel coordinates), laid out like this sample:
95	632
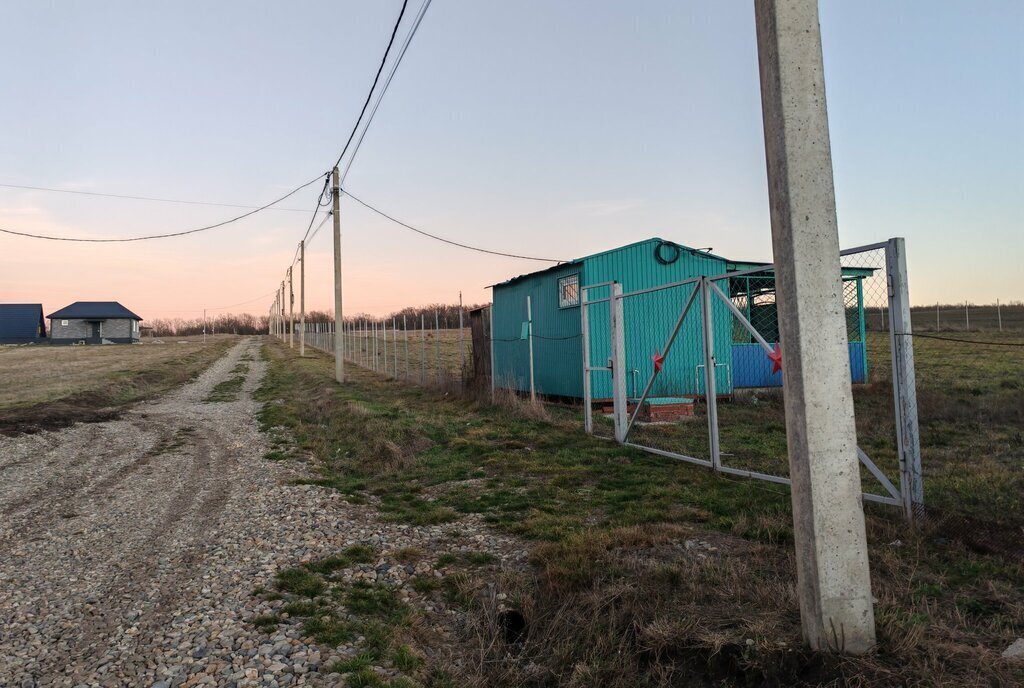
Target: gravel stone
131	550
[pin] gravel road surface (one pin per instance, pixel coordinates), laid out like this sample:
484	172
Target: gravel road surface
130	549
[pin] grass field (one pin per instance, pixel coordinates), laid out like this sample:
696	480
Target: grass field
51	386
971	411
613	598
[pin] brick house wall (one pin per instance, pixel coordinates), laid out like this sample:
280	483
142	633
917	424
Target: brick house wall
78	329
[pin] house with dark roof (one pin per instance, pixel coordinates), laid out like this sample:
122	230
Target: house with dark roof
94	322
22	323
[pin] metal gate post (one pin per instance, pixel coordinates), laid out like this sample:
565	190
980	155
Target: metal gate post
710	389
588	411
529	337
908	439
618	363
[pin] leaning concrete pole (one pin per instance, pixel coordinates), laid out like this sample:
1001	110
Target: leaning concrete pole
339	344
834	584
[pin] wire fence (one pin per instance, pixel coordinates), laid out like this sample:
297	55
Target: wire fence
422	350
964	317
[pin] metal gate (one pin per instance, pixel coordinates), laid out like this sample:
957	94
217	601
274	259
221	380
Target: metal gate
692	369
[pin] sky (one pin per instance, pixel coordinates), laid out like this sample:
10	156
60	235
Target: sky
552	129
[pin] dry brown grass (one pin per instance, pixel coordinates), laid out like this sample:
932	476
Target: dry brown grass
50	386
32	374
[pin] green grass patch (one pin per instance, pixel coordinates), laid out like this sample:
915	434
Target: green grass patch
300	582
226	391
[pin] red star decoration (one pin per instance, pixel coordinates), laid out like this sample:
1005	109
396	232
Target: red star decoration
776	358
658	361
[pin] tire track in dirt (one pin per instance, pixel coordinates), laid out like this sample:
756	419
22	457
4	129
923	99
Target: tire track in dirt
154	506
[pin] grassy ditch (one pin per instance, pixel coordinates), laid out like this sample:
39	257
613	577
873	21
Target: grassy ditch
228	389
46	387
646	572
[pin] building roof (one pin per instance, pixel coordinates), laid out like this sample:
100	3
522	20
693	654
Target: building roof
730	265
100	310
578	261
21	320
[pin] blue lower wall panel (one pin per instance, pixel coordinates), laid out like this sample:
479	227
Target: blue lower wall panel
751	366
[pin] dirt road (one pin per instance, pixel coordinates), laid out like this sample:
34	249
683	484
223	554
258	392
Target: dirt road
129	549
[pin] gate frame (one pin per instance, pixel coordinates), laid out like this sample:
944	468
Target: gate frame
910	495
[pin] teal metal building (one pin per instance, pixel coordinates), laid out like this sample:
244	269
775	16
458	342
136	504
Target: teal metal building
556	323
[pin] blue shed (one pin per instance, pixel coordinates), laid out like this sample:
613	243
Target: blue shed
22	323
650	316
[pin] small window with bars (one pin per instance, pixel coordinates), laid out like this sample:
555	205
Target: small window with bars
569	291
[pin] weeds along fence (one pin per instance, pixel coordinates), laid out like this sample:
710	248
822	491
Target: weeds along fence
427	351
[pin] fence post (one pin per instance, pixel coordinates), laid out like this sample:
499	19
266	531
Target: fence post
908	440
384	331
462	343
405	330
710	386
618	363
967	313
490	339
588	411
394	342
437	345
999	315
936	317
529	339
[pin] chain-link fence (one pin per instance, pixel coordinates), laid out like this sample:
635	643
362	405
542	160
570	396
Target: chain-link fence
695	374
423	349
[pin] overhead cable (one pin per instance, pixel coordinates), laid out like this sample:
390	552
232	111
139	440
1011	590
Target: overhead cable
376	78
169	234
442	239
387	82
139	198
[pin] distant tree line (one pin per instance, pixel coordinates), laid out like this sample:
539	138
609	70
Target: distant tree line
227	323
246	323
447	316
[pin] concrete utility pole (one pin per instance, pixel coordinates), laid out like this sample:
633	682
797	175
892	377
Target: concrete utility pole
204	326
302	298
339	346
291	310
833	581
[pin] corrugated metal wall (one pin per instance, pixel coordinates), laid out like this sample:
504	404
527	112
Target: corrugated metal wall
557	353
650	318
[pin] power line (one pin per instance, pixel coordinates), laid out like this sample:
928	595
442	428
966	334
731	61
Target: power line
376	78
387	82
322	223
168	235
221	308
319	204
442	239
140	198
